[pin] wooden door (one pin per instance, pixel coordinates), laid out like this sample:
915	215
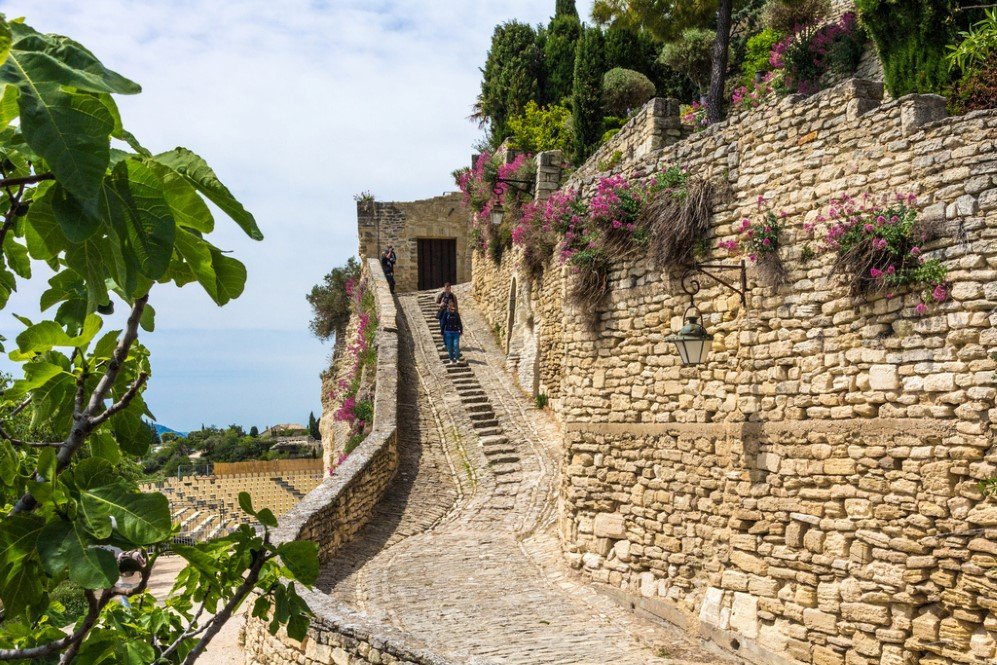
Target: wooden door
437	258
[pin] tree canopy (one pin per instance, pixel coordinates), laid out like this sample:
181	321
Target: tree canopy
111	220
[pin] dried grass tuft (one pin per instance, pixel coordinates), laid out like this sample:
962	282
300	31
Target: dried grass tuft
678	222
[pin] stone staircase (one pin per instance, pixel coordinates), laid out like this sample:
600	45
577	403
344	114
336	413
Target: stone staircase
502	457
295	492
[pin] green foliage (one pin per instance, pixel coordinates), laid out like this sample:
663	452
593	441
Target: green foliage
610	162
692	56
330	302
976	90
559	58
756	54
586	99
313	430
541	400
976	46
542	128
912	37
786	16
510	77
664	20
109	224
501	241
564	8
624	91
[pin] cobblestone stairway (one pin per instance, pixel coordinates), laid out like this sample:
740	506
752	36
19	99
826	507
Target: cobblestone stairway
462	552
500	453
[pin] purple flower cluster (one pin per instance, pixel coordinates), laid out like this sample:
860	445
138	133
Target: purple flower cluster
882	235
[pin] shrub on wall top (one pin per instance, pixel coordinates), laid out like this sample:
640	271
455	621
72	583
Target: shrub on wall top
624	91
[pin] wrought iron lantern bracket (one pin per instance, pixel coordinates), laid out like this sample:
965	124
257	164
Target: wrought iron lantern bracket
521	186
691	278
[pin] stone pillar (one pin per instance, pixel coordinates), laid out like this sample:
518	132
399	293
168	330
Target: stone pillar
664	124
549	167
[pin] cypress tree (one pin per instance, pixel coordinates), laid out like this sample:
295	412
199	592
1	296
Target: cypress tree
559	58
510	76
586	97
565	8
313	426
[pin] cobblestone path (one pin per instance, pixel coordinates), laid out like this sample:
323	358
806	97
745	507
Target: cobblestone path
463	552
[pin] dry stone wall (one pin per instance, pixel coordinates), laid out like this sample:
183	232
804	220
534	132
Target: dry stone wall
333	513
811	493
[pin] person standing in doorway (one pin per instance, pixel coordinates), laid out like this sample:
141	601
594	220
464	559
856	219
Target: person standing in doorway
388	266
392	256
453	328
443	301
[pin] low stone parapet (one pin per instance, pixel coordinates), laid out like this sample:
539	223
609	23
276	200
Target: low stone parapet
333	513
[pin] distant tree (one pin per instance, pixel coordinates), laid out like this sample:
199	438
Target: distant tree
565	8
313	430
586	98
510	77
254	431
539	129
330	304
559	58
664	20
691	55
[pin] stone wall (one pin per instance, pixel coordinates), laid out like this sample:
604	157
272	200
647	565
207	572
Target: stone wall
333	513
402	224
810	494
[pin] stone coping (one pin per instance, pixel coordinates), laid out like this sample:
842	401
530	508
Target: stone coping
331	615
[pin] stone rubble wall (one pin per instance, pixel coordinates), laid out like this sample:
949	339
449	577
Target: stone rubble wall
810	494
332	514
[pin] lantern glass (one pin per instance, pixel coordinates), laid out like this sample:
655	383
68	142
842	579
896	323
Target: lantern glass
497	213
692	341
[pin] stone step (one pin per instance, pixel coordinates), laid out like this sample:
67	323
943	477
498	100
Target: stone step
507	478
492	440
483	423
474	398
489	431
482	416
506	467
480	407
503	458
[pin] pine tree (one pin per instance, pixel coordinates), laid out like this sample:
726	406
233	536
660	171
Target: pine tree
510	77
565	8
559	58
254	431
586	98
313	430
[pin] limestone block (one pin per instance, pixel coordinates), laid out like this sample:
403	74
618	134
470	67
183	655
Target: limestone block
827	656
884	377
609	525
744	614
866	613
709	611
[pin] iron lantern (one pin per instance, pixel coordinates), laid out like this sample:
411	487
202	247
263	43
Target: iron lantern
496	214
692	341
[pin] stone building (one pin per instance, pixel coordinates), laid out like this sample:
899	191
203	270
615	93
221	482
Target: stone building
429	237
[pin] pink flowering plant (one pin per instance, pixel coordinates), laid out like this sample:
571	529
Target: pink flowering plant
757	92
878	246
759	239
484	190
613	213
542	224
354	391
803	59
694	116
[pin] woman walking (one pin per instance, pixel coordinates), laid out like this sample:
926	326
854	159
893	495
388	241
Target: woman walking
453	328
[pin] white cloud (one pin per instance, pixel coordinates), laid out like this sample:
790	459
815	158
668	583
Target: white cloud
297	105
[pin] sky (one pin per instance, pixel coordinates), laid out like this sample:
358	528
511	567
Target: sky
298	106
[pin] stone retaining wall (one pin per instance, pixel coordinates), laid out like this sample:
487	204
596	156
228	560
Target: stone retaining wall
811	493
332	514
